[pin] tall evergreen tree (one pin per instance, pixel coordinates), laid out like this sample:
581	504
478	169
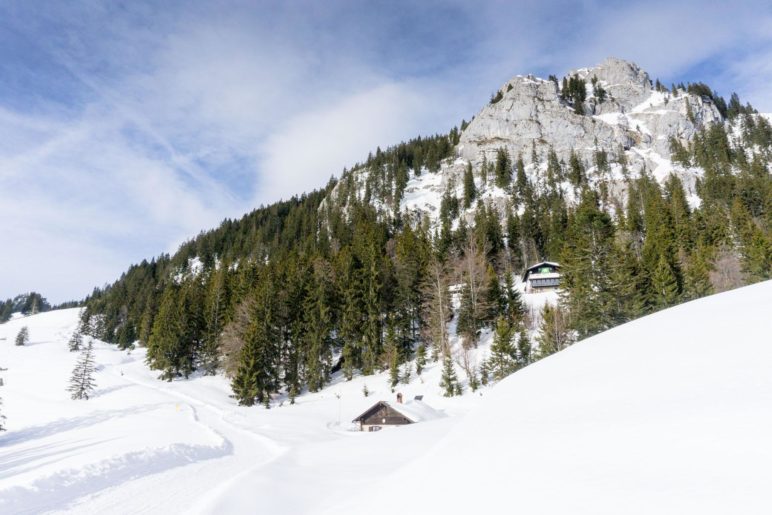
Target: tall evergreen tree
318	326
449	380
587	258
470	190
82	380
256	377
665	284
503	169
523	348
215	312
553	331
76	340
420	359
167	350
503	359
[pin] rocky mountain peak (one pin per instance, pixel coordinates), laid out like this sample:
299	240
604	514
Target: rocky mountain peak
611	109
621	112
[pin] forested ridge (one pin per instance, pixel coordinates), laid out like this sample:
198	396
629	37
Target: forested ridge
291	292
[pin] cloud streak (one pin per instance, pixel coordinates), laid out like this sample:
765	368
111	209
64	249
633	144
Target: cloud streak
126	128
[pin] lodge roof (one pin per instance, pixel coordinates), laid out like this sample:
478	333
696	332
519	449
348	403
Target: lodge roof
414	410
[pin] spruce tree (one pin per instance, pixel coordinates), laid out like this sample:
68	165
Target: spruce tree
256	376
586	261
167	350
470	190
553	331
420	359
495	300
76	340
22	338
698	275
392	355
215	309
318	325
449	380
523	348
515	309
503	169
503	359
82	381
665	284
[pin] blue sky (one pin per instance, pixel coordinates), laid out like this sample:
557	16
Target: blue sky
128	127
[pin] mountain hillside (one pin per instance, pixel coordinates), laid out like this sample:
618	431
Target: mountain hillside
647	196
620	115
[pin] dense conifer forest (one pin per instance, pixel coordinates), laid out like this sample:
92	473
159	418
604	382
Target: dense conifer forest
295	291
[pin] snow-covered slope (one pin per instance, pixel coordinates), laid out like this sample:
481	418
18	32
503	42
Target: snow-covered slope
141	445
670	413
667	414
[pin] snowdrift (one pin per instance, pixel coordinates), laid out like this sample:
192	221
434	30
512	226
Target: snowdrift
671	413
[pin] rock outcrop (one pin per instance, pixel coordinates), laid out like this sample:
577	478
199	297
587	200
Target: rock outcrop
632	122
532	115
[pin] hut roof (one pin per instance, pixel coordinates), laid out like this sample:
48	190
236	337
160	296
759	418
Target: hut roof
414	410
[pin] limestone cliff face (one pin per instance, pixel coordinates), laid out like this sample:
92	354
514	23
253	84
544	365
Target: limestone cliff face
633	123
633	116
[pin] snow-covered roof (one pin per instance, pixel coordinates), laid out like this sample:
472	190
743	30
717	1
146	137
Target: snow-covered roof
414	410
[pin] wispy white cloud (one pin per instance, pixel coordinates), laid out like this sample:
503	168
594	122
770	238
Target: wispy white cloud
126	128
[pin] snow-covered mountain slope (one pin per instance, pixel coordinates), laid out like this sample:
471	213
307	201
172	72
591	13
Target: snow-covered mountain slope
666	414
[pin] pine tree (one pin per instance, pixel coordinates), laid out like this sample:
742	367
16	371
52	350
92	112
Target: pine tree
392	355
82	381
449	380
318	325
215	309
587	258
503	359
470	190
256	377
576	171
22	338
420	359
515	309
698	275
553	331
167	350
503	169
76	340
665	284
523	348
495	300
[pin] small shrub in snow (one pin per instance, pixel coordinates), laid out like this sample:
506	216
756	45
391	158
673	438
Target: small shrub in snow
23	337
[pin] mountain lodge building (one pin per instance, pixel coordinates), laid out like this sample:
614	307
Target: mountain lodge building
541	277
